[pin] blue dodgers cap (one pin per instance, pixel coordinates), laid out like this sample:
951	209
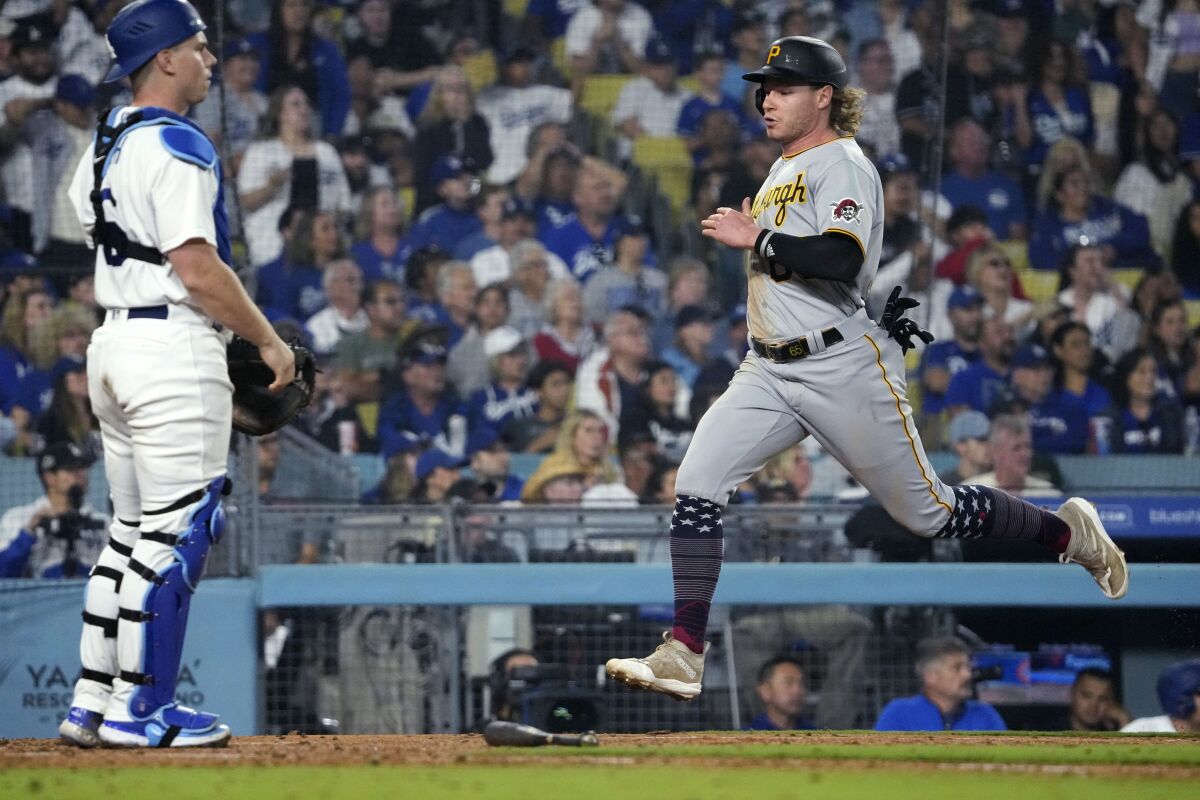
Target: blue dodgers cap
446	168
436	457
968	425
240	47
1178	686
144	27
894	164
1031	355
631	225
518	207
964	297
738	314
689	314
76	90
482	438
67	364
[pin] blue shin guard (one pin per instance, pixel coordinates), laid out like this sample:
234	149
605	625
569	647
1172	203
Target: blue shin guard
165	605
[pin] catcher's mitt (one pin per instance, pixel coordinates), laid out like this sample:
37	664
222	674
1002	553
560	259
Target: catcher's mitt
256	410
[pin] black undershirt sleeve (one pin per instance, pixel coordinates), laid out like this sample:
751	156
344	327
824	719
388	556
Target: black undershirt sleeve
830	256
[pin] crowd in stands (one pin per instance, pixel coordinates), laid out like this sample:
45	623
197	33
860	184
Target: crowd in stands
444	206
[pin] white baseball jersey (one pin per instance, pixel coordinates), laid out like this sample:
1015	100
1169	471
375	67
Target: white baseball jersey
161	202
830	187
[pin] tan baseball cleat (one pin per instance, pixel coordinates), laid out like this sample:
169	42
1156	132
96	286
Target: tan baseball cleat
1091	547
672	669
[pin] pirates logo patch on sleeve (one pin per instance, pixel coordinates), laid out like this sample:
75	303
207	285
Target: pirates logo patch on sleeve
846	210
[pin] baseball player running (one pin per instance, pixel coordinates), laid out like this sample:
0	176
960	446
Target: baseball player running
148	192
819	366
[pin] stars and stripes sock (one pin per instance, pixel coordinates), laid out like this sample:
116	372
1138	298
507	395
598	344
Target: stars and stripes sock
981	512
697	547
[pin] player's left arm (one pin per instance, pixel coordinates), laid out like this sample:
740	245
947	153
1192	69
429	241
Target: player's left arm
831	255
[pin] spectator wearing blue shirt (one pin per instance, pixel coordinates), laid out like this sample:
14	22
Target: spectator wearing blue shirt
490	211
783	692
382	250
708	97
694	26
1076	215
1056	107
423	413
508	397
749	37
454	219
1057	427
491	461
1142	419
293	55
944	704
972	182
290	286
585	243
23	312
693	340
1071	346
546	20
983	383
941	361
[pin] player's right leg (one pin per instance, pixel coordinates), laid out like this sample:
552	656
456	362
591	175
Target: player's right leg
170	382
748	425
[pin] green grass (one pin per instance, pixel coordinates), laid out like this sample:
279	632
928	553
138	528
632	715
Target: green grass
956	750
561	781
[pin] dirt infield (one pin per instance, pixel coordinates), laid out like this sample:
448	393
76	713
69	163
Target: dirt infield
297	749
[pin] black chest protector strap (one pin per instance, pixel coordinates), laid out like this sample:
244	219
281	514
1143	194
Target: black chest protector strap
106	235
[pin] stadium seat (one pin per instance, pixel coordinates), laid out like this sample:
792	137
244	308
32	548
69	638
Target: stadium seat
1193	312
1040	285
600	94
481	69
1130	473
667	159
1017	252
407	195
515	8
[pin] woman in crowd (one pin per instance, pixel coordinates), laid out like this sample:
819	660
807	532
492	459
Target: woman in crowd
287	168
990	272
292	55
1142	419
565	339
449	125
1175	352
1074	388
70	418
380	249
1057	106
655	413
1185	251
23	313
1066	154
1156	185
1077	212
530	294
290	286
582	446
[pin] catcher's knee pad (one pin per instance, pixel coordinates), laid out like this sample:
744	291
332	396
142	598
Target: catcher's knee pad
168	598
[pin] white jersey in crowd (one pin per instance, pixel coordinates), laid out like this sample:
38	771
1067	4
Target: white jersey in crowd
17	170
161	202
48	553
512	113
830	187
1161	724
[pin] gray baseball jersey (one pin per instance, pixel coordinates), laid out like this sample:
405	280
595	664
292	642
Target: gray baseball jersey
850	396
830	187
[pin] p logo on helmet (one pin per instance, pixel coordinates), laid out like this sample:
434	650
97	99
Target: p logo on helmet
773	52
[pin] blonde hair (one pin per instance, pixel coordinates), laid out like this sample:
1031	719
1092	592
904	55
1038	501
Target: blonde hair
12	323
846	110
1066	154
975	261
434	110
363	224
43	340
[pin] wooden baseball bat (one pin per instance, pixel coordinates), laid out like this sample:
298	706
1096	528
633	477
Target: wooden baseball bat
512	734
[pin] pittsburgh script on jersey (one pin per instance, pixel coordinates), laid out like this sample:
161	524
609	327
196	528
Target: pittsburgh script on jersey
781	195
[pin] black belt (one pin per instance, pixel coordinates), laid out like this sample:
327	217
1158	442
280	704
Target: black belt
793	349
147	312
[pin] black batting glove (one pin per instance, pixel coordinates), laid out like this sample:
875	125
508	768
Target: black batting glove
897	327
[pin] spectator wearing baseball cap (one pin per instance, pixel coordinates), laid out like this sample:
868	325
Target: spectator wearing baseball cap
720	369
945	357
30	90
449	123
968	436
453	220
518	222
243	104
508	396
514	106
649	105
490	461
629	280
1057	426
425	410
436	471
693	340
57	535
1179	698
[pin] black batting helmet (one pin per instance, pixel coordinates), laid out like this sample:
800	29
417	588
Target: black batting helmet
800	59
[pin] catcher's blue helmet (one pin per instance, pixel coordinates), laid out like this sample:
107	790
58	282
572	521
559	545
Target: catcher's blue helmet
144	27
1178	686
